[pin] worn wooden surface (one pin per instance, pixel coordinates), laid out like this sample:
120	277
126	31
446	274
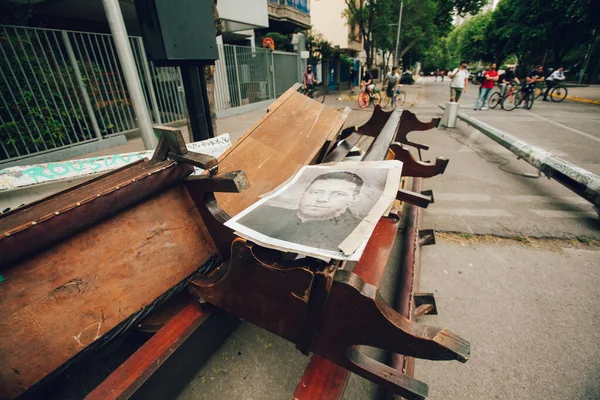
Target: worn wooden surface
55	304
278	146
36	226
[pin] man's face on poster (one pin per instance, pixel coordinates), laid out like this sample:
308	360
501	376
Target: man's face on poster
326	199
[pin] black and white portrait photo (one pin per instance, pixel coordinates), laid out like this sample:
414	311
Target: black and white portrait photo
318	209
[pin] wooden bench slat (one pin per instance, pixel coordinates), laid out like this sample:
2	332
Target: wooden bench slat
281	154
130	375
322	378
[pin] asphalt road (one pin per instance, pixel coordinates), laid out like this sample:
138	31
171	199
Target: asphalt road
478	195
528	306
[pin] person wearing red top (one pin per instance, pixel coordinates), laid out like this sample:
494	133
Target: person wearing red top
490	77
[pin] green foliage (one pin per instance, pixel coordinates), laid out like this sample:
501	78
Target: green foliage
585	239
530	31
318	47
42	107
346	60
424	22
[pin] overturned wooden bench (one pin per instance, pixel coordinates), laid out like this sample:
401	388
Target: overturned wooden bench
123	243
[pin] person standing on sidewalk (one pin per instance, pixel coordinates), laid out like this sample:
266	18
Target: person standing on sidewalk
351	78
459	80
489	78
553	80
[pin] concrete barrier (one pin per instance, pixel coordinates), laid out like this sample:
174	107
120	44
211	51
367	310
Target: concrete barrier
583	182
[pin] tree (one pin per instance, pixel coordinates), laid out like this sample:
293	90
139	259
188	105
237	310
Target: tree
282	41
362	15
318	47
424	21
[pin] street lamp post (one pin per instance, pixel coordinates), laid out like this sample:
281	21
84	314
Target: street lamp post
398	34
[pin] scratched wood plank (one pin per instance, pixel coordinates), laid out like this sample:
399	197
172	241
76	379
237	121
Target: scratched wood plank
93	281
287	138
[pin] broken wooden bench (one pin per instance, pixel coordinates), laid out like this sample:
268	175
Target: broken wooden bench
85	264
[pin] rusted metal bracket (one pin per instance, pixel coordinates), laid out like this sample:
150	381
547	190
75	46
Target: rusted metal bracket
426	237
418	199
229	182
424	304
202	191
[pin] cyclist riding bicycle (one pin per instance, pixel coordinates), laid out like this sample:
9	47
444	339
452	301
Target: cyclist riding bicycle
536	75
392	79
367	82
309	80
554	80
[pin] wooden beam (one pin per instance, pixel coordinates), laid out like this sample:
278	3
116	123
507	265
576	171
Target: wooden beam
130	375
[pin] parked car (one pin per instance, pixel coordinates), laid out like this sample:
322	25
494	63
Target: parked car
407	78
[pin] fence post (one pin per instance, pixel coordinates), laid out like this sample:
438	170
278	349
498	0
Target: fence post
274	94
82	89
140	45
237	75
130	73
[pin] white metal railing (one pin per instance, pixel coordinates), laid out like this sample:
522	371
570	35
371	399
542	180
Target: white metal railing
63	88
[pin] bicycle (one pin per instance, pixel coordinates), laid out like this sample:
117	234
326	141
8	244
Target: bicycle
538	89
496	99
365	98
558	92
398	99
514	101
315	93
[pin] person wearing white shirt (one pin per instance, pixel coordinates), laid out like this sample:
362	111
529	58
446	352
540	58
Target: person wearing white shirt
553	80
392	79
459	81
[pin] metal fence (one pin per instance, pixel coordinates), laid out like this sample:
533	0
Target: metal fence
64	88
286	65
243	75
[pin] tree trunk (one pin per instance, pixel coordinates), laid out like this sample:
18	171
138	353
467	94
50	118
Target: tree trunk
369	56
407	48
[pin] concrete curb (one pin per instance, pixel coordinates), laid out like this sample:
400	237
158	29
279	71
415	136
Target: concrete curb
583	100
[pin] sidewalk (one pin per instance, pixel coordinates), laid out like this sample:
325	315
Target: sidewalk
590	94
237	125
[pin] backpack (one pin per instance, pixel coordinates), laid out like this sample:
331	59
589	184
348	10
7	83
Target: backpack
480	76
